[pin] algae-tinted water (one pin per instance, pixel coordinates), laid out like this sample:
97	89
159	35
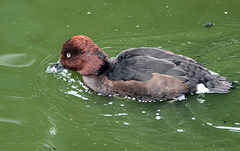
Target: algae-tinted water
42	111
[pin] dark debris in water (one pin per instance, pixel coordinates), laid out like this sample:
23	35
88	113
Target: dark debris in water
208	24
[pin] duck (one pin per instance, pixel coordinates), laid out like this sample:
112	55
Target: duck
145	74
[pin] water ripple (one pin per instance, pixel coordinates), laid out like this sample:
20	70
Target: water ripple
233	129
16	60
10	121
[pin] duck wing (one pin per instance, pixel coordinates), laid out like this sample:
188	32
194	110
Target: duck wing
140	63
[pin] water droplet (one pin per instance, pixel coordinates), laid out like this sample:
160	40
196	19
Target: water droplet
209	124
180	130
158	117
121	114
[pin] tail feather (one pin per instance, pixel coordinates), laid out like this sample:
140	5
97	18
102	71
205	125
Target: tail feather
222	86
218	90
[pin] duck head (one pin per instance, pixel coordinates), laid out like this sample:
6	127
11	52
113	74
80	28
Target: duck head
81	54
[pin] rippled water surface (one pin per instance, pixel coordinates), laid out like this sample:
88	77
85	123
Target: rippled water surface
42	111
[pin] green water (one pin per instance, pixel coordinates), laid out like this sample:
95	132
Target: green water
42	111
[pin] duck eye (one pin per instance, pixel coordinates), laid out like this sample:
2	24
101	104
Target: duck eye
68	55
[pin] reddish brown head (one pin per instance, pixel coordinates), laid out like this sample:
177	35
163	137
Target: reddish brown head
81	54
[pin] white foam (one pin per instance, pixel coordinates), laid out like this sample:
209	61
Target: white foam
201	89
182	97
76	93
201	100
53	131
51	69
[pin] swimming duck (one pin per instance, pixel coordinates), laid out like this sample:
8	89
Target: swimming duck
145	74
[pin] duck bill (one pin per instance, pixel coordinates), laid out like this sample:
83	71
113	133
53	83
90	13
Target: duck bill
55	68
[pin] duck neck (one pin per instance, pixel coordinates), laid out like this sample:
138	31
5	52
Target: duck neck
95	82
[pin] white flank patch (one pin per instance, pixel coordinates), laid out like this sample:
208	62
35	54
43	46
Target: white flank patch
213	73
201	89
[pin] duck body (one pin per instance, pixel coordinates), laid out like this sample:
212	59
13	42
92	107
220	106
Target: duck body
145	74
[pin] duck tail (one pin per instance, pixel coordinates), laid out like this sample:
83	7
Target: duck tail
222	86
